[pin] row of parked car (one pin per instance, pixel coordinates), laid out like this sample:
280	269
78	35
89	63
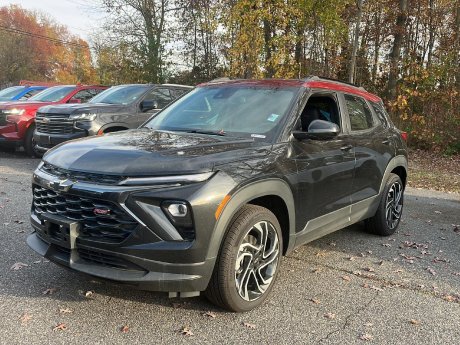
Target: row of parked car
39	117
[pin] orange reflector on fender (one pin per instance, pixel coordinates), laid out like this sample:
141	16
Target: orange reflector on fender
221	206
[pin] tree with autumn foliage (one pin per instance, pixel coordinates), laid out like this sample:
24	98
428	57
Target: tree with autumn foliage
34	47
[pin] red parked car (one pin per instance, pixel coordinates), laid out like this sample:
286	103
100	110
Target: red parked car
17	119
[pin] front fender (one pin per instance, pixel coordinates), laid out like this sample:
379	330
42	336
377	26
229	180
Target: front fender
272	186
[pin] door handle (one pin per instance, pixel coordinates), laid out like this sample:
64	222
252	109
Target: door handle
346	147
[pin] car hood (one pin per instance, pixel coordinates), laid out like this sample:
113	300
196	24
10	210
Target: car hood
144	152
23	104
68	109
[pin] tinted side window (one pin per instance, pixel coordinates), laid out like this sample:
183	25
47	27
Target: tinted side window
381	114
84	95
180	92
162	96
30	94
359	113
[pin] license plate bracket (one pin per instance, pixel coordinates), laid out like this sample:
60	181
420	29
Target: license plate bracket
62	231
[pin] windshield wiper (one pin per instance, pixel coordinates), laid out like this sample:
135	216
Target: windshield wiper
203	131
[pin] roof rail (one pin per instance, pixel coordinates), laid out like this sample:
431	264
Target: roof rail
221	79
315	77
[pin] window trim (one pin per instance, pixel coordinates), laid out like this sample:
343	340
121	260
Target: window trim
375	123
325	93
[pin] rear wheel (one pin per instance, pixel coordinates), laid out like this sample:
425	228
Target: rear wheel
388	215
249	260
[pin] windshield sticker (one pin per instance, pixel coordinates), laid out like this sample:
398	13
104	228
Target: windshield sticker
258	136
273	117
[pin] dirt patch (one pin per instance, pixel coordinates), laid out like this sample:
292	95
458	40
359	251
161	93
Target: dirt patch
434	171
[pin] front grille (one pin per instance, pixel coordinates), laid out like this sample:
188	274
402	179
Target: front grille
106	260
54	124
81	176
112	224
55	127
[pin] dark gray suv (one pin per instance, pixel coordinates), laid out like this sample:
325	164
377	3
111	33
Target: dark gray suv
118	108
210	193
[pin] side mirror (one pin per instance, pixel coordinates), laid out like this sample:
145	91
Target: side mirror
74	101
318	130
149	105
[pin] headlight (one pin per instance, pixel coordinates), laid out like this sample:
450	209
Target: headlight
83	117
14	111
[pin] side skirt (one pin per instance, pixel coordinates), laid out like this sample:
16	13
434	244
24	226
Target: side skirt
328	223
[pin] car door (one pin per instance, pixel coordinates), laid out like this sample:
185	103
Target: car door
373	148
162	96
324	169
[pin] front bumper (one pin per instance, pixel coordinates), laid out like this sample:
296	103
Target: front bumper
46	141
149	258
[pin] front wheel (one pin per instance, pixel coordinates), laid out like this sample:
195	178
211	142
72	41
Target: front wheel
30	144
248	262
388	215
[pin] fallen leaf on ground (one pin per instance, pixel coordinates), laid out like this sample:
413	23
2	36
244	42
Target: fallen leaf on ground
89	293
376	288
366	337
65	310
352	258
316	270
346	278
438	212
124	329
19	221
449	298
49	291
210	314
18	266
414	322
329	316
186	331
431	271
24	318
315	300
249	325
369	269
60	327
386	245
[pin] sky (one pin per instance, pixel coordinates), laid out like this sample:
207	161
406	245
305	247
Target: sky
77	15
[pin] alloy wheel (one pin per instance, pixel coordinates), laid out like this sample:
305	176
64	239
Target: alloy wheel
256	261
394	205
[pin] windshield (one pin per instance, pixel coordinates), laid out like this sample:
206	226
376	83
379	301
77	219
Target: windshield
9	93
242	111
120	94
53	94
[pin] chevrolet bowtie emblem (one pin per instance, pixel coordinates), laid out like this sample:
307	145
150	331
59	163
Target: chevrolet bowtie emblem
61	185
46	120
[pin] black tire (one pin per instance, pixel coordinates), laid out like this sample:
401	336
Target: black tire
247	224
29	143
386	219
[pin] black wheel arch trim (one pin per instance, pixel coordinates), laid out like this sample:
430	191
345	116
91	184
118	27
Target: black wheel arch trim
272	186
395	162
114	125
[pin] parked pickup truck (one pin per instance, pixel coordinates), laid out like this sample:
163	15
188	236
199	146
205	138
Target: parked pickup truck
116	109
17	119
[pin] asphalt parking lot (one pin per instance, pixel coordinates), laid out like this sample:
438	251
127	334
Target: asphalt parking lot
347	288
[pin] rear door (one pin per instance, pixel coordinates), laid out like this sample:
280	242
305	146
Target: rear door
372	145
